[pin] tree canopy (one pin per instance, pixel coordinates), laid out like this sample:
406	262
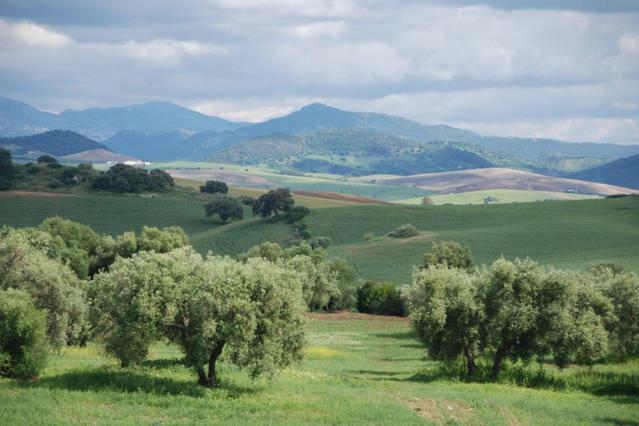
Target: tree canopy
273	202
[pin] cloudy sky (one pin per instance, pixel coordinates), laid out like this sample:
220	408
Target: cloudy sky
548	68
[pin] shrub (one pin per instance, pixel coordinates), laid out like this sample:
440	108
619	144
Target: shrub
297	213
23	346
246	200
162	240
122	178
214	187
451	254
47	159
380	299
404	231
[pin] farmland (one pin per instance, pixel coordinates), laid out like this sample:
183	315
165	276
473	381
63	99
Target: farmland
569	234
357	369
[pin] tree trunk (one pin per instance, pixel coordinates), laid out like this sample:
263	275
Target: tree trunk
470	362
501	353
210	380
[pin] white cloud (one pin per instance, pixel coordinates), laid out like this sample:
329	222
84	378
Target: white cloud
319	29
579	129
629	43
164	49
32	34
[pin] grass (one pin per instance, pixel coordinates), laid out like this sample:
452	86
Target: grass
575	234
357	370
499	196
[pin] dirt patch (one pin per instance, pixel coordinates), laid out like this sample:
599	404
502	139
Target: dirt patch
34	194
338	196
350	316
510	418
427	408
442	411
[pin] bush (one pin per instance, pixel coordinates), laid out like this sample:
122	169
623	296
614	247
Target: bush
23	346
246	200
162	240
379	299
47	159
214	187
404	231
451	254
297	213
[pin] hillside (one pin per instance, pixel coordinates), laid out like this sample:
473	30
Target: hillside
53	142
354	151
623	172
500	178
98	156
548	152
569	234
17	118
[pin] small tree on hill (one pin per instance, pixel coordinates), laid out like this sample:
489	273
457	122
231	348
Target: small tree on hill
47	159
273	202
214	187
451	254
225	206
7	171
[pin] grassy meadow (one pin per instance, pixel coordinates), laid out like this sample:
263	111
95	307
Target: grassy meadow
357	369
567	234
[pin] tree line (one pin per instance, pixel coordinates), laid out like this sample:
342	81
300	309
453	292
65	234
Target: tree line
48	173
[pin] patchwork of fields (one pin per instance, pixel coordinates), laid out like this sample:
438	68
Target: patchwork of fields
357	369
574	234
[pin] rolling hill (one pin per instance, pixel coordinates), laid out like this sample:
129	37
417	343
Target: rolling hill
500	178
623	172
353	151
18	118
53	142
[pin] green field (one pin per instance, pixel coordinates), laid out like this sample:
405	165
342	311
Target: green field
357	370
574	234
499	196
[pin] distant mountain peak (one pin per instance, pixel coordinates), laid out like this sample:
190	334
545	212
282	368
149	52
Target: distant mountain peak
318	106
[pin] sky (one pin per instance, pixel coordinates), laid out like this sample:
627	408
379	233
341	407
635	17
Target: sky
548	68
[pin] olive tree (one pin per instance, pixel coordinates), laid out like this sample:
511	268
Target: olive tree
133	302
249	312
446	313
52	285
252	312
534	311
622	289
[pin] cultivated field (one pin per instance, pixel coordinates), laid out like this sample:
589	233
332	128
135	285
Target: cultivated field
357	369
500	178
571	234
